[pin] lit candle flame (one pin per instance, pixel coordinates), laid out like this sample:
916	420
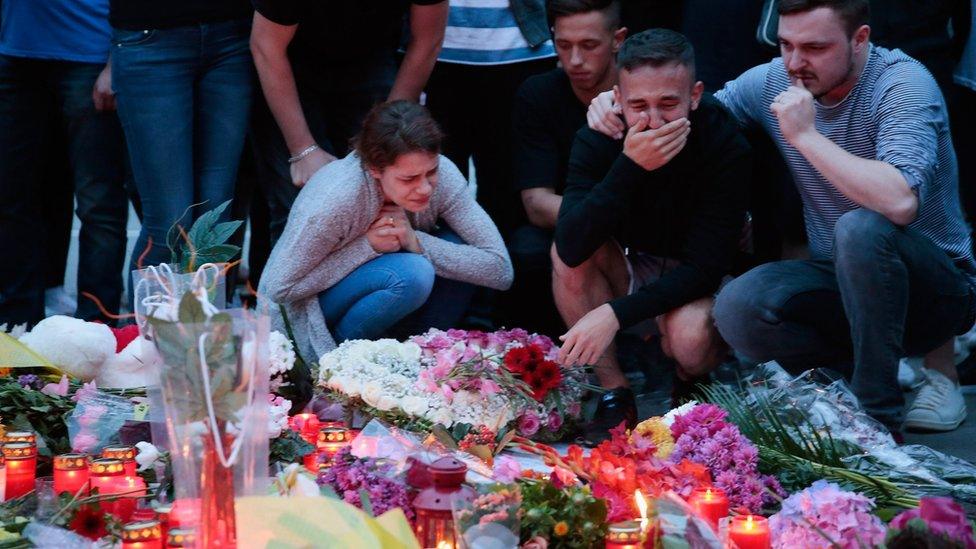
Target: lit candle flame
708	493
749	524
642	507
445	545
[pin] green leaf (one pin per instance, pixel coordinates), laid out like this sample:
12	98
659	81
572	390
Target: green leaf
367	504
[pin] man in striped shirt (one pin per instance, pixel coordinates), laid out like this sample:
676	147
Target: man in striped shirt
865	133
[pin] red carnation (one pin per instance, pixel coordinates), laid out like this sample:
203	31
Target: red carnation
517	359
89	521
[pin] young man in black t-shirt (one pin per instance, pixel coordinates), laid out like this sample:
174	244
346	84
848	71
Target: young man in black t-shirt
649	226
549	109
323	64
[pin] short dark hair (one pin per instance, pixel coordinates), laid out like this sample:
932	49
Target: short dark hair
394	128
656	48
564	8
853	13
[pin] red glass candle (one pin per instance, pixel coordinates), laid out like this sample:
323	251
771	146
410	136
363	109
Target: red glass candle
624	535
306	425
70	473
435	522
126	454
142	535
21	465
106	476
178	538
130	489
711	504
20	436
750	532
3	477
162	514
185	514
331	440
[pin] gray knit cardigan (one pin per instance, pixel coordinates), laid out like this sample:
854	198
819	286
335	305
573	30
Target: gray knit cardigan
325	240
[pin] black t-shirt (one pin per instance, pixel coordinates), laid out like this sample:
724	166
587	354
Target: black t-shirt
691	209
547	116
343	32
154	14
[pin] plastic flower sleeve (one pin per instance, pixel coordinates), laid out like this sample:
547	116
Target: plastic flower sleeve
821	400
213	387
159	288
491	521
96	420
679	526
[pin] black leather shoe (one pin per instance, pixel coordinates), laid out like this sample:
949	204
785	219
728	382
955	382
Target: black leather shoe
615	406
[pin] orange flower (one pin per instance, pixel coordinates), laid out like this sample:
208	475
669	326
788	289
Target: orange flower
560	529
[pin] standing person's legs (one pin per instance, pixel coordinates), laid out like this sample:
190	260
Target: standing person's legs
451	91
222	107
902	295
97	153
21	122
492	139
529	303
153	74
375	296
350	95
271	152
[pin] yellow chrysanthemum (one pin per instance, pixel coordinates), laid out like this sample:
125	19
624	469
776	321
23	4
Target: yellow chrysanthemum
660	435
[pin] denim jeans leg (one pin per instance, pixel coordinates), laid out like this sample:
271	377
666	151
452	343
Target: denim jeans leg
21	272
376	295
448	301
901	294
97	154
222	107
153	74
787	311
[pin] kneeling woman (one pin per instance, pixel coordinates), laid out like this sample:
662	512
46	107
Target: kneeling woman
387	241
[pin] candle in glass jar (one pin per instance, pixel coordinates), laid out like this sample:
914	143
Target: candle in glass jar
21	461
129	490
624	535
142	535
70	473
126	454
750	532
105	476
330	441
20	436
180	537
307	425
711	504
3	478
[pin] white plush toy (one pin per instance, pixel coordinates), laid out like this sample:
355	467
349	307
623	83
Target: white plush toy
126	369
73	345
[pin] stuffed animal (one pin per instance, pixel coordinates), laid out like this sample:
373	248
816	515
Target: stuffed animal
77	347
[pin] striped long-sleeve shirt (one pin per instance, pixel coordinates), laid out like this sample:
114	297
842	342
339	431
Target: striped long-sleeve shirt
896	114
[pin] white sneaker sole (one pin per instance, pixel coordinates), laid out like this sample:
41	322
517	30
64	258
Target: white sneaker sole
935	426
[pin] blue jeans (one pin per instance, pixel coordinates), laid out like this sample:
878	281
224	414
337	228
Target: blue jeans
395	295
184	98
889	292
32	91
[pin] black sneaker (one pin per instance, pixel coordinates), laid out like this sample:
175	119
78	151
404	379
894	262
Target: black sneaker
615	406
